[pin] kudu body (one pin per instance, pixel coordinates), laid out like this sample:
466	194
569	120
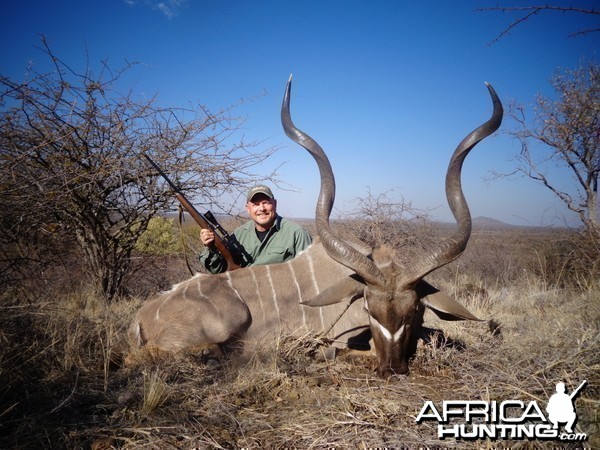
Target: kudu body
332	287
250	303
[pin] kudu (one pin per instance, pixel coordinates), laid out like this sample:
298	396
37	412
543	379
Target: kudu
332	287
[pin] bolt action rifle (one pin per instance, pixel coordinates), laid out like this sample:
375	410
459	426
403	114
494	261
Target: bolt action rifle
224	243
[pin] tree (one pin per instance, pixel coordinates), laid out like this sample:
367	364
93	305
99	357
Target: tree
380	220
70	165
565	134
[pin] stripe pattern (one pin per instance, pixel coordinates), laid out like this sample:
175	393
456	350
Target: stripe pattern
251	303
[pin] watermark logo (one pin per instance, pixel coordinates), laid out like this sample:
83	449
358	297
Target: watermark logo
510	419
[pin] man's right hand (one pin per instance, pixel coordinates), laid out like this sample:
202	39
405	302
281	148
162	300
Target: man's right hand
207	237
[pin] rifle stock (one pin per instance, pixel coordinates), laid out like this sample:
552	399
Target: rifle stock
220	241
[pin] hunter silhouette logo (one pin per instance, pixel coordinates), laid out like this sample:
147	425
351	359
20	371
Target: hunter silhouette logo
509	419
561	408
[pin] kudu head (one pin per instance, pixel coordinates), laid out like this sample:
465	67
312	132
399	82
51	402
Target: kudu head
395	294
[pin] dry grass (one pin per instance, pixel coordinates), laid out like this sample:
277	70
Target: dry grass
63	385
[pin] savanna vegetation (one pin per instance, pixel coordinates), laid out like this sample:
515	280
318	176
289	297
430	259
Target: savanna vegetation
81	247
72	175
63	383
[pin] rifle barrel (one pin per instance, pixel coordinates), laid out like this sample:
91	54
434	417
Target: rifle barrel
576	391
220	241
162	174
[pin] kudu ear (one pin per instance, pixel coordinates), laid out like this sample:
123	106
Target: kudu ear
442	305
347	289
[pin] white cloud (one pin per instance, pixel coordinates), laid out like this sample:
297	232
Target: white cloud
166	9
169	8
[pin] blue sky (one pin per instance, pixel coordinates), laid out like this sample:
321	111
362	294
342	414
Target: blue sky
388	88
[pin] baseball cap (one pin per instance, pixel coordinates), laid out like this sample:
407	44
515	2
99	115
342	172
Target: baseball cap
259	189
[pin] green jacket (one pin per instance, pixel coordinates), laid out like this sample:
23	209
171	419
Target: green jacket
283	242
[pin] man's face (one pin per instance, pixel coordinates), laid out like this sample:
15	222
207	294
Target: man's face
263	211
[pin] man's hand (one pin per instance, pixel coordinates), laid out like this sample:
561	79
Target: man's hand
207	237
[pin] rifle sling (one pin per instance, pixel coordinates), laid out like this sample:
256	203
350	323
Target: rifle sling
181	236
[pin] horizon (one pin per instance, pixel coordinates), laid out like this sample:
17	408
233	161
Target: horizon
479	222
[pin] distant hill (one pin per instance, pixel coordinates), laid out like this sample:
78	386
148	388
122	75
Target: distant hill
482	223
488	222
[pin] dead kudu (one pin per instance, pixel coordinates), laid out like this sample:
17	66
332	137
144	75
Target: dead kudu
331	288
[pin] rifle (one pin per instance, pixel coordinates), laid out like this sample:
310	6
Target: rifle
576	391
223	241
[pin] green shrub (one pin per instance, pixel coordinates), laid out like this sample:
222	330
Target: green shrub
159	239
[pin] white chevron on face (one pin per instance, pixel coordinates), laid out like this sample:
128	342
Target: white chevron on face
386	333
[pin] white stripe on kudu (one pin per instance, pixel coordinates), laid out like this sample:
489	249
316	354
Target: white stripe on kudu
386	333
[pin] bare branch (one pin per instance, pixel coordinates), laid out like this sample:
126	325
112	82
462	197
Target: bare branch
583	32
530	11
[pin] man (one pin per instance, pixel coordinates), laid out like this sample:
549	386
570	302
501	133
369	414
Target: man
267	238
